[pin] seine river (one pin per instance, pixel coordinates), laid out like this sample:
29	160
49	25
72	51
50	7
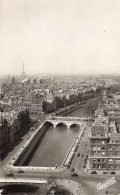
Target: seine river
55	143
51	151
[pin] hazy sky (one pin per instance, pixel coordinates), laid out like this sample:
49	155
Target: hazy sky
60	36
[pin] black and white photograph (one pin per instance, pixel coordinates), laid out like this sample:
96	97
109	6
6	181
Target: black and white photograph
59	97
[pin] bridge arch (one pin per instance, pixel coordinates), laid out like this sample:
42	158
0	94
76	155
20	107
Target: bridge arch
61	124
21	186
49	123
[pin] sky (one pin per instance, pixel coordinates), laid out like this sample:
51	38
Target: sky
60	36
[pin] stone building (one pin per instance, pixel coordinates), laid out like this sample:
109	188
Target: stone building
4	136
13	125
104	151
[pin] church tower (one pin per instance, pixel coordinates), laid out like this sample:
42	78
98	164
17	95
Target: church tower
23	72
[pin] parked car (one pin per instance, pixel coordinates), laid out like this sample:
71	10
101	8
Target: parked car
113	172
93	172
9	174
78	154
74	175
105	172
20	171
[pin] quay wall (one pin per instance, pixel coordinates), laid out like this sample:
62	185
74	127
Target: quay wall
28	151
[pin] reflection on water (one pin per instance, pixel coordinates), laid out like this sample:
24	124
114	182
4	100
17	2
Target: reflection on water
54	146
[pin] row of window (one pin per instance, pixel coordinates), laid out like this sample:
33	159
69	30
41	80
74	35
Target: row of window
98	142
102	160
104	166
98	148
114	141
99	153
103	142
116	153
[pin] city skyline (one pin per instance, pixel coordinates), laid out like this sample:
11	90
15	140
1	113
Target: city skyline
60	37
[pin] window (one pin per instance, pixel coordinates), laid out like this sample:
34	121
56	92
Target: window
99	153
94	148
117	153
103	142
110	166
98	160
99	148
110	153
98	165
103	148
103	153
110	147
103	165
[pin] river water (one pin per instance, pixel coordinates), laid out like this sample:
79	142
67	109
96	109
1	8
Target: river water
56	143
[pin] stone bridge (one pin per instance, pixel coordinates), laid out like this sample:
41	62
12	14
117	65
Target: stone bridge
68	121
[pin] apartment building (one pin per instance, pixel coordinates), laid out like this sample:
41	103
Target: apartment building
104	151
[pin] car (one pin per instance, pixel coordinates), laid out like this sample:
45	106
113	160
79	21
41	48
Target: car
93	172
105	172
113	172
9	174
20	171
74	175
78	154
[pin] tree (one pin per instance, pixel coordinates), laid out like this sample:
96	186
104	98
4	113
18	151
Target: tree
115	88
91	105
44	106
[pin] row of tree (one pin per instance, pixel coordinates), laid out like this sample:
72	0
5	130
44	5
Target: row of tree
59	102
